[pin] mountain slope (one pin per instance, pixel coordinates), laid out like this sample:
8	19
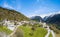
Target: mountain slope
37	18
54	19
11	15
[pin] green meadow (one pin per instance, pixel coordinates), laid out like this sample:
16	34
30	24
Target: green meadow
31	32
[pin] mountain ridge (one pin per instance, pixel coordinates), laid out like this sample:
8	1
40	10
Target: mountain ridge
11	15
37	18
54	19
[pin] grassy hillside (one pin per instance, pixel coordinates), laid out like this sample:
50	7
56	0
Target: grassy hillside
30	32
11	15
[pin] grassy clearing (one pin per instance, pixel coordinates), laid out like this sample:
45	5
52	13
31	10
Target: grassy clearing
5	29
38	32
26	30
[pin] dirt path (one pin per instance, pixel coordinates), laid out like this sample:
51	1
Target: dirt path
47	35
53	34
14	30
49	31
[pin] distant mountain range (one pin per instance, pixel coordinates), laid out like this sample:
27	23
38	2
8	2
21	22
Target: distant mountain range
11	15
17	16
37	18
53	19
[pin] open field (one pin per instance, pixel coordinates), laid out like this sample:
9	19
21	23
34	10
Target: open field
38	32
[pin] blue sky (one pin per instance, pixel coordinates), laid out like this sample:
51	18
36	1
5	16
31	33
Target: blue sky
33	7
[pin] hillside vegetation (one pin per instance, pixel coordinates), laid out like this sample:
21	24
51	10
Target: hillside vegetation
11	15
5	29
36	31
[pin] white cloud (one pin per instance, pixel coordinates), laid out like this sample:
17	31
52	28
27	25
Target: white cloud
6	5
42	9
59	12
17	6
51	13
43	15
